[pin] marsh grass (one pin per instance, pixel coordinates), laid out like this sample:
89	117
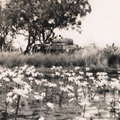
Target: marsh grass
93	58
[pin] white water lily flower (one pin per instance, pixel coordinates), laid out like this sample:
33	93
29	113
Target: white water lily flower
73	74
115	84
35	74
72	99
40	74
91	78
10	94
80	90
61	83
43	94
67	74
30	78
102	77
84	83
53	85
1	77
84	103
12	74
41	118
37	97
89	74
28	73
14	97
53	67
38	82
101	73
69	87
13	111
50	105
19	81
27	88
9	100
81	73
79	118
104	82
44	80
64	89
20	92
6	79
57	73
71	94
77	82
79	77
87	69
62	76
71	79
77	68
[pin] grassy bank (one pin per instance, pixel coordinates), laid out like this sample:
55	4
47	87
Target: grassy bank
96	59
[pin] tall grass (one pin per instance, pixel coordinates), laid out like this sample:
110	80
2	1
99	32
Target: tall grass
12	59
92	57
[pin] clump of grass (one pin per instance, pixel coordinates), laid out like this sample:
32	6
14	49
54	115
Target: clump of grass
11	59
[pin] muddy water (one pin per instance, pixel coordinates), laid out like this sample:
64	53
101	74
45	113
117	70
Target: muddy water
99	109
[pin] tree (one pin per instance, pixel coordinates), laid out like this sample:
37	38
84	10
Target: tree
5	27
41	17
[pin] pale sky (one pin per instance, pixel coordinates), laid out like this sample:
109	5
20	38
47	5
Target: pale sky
101	26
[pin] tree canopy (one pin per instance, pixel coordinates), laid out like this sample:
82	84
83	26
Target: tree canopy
41	17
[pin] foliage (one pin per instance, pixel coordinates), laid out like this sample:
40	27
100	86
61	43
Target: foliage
40	17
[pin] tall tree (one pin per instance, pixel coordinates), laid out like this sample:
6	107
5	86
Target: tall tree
41	17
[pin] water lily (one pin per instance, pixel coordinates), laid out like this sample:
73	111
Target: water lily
81	73
0	85
38	82
6	79
72	99
89	74
30	78
41	118
10	94
53	85
69	87
70	94
18	81
57	73
79	118
84	103
20	92
87	69
14	97
9	100
50	105
84	83
70	79
77	68
64	89
61	83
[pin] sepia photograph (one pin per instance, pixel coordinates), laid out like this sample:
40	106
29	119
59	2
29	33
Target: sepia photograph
59	59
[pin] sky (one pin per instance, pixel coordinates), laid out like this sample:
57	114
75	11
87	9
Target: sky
101	26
